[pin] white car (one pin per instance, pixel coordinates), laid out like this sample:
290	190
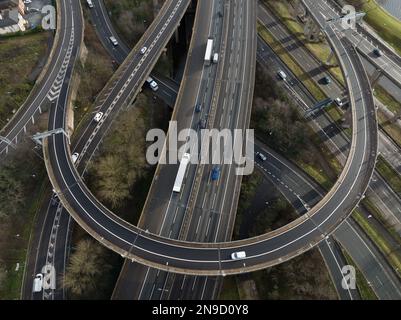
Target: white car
143	50
75	157
282	75
261	156
38	283
238	255
27	1
113	41
154	86
98	116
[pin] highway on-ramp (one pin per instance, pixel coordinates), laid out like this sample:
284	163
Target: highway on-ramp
263	251
47	87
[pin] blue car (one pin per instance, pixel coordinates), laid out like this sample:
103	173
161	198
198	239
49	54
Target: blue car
198	108
215	173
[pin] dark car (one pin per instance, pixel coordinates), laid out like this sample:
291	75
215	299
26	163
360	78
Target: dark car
377	52
326	80
54	200
202	124
198	108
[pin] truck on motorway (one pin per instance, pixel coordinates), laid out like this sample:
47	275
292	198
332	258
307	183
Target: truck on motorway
209	51
181	172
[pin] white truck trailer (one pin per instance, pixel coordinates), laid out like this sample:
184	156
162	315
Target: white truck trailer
181	172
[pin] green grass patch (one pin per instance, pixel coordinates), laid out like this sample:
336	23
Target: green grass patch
371	207
389	127
290	62
334	113
230	289
387	26
365	290
19	57
389	174
387	99
318	174
321	50
392	257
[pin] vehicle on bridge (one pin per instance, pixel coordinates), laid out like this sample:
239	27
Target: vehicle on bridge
216	58
98	116
238	255
181	172
209	51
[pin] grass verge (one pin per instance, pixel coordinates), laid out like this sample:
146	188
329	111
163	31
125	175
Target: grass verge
290	62
387	99
321	50
20	56
389	174
389	127
393	257
387	26
365	290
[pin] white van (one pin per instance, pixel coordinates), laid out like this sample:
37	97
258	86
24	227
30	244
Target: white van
282	75
238	255
153	84
38	283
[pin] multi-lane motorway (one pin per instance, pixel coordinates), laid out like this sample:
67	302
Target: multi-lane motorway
386	199
213	259
301	192
42	258
209	211
51	241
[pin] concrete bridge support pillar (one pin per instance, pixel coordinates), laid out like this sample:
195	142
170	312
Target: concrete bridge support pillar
396	117
298	9
347	119
177	35
375	77
330	62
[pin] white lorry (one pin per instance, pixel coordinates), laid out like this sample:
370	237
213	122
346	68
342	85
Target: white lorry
181	172
209	51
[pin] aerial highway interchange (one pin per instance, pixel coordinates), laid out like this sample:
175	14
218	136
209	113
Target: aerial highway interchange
182	242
